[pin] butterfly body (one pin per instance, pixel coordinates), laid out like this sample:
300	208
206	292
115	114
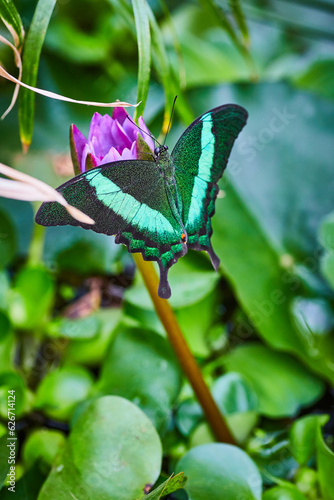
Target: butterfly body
162	207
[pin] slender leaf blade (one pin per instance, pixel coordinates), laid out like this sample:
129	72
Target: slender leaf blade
12	19
31	56
144	52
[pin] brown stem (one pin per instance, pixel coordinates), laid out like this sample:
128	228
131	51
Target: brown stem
182	351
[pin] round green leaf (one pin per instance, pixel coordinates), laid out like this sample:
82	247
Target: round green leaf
62	389
43	445
12	381
81	328
219	471
92	351
113	452
141	367
7	239
31	299
303	434
282	384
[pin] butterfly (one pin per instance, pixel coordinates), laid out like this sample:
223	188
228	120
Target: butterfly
161	207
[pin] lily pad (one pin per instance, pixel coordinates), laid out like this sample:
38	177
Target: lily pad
219	471
113	453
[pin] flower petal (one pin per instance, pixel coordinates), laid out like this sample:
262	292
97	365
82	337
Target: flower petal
146	136
127	155
77	145
113	155
120	115
120	139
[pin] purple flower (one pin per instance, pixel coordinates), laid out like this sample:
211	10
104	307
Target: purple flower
109	139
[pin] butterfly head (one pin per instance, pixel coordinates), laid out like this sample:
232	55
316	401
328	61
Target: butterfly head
160	151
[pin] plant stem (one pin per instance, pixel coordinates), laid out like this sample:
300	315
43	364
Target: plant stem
37	242
182	351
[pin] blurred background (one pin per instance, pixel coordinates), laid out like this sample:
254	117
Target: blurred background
75	319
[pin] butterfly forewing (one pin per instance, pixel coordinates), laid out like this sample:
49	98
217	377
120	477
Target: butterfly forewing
128	199
200	158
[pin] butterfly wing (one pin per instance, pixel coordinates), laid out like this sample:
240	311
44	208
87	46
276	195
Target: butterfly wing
128	199
200	158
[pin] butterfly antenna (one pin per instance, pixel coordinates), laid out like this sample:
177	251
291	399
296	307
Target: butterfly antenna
170	120
144	131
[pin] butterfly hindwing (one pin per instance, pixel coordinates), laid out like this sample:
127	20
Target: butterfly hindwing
200	158
128	199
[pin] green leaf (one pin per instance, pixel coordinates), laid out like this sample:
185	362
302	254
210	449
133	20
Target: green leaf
191	281
22	216
239	16
194	300
237	400
12	381
77	251
141	367
4	465
325	461
173	483
113	453
7	239
144	52
31	298
283	386
42	445
189	415
5	327
61	389
27	487
80	328
77	46
283	493
92	351
4	287
276	245
326	236
12	19
215	468
303	434
30	60
271	452
317	78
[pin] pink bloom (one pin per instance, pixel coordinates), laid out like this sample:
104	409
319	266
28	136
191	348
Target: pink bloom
109	139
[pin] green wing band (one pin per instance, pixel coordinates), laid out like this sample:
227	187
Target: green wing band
200	158
127	199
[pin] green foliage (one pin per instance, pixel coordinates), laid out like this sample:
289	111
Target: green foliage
100	396
303	437
281	383
32	50
172	484
141	367
62	389
10	16
7	239
112	453
283	493
325	458
215	468
33	286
